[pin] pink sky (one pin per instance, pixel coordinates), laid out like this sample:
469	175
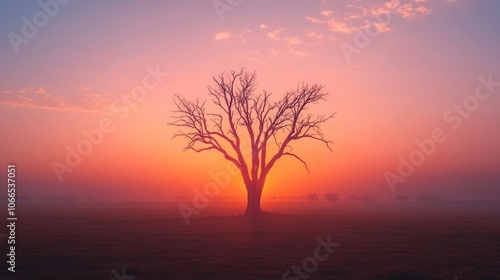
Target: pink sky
391	91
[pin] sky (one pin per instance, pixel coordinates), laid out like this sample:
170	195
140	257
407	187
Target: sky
413	83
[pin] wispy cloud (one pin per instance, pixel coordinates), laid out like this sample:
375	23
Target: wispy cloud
355	15
253	55
223	35
243	35
341	27
274	35
326	13
294	40
408	11
383	27
313	19
299	53
328	24
41	98
315	35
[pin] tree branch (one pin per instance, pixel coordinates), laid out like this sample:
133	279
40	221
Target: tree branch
297	157
243	113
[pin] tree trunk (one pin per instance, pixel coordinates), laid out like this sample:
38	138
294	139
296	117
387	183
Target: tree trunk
254	193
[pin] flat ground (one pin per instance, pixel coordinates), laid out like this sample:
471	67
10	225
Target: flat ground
151	241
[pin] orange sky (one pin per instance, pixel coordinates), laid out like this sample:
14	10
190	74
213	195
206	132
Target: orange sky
389	93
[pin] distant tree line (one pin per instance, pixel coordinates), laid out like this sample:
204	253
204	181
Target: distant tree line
335	197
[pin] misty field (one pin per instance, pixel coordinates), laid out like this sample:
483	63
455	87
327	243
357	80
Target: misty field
151	241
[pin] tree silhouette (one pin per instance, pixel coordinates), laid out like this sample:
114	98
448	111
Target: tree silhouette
244	116
313	197
332	197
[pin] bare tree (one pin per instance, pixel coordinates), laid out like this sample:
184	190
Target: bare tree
244	115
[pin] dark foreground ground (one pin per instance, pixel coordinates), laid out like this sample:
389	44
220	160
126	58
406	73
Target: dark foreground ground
152	242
